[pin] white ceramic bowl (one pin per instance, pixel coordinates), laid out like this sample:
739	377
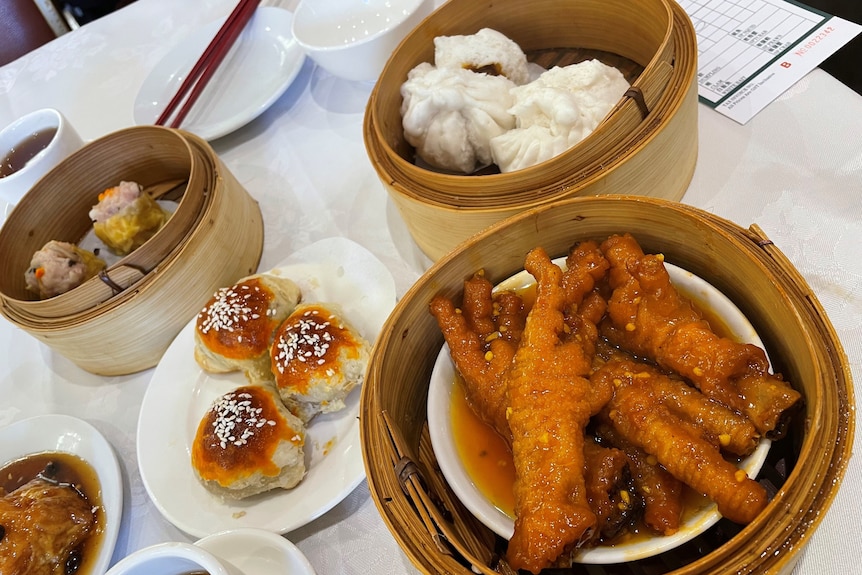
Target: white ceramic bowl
256	552
173	558
445	449
353	39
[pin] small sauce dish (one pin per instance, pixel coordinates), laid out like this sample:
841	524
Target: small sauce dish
173	558
251	551
244	551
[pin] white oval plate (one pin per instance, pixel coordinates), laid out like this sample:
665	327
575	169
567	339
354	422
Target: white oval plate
445	450
333	270
257	552
67	434
257	70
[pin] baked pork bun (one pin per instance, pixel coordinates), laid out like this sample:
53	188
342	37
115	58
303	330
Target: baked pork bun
234	330
248	442
317	359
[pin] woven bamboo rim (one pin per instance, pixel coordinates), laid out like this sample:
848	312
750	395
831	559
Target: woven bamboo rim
224	244
440	536
657	158
643	36
111	298
172	169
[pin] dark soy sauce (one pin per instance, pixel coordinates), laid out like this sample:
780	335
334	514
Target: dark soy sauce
25	150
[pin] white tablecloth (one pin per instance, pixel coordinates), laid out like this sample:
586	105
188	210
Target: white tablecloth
795	170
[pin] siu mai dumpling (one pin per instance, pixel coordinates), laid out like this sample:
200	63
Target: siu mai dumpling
59	267
126	217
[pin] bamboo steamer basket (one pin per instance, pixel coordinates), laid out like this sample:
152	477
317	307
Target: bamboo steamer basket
645	148
153	292
169	170
440	536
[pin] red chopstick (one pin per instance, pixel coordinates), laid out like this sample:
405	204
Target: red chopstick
205	67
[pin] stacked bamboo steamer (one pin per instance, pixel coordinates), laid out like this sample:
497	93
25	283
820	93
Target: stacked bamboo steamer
123	321
438	533
647	145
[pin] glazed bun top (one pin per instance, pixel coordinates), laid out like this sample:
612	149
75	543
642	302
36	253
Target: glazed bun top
312	346
238	322
240	434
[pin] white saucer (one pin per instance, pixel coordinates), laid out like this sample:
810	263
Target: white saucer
257	552
255	73
67	434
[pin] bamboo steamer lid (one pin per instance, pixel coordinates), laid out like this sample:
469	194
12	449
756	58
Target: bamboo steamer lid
652	153
146	303
440	536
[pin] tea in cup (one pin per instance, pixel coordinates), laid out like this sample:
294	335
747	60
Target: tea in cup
30	147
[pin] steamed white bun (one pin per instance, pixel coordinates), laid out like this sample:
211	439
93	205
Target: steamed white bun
556	111
450	115
485	48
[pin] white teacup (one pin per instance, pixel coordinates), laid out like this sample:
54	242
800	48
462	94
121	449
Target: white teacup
30	147
174	558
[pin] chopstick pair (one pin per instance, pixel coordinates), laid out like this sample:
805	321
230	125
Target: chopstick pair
205	67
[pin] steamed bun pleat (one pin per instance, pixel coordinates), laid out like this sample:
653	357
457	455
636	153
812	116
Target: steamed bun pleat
450	115
486	49
556	111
